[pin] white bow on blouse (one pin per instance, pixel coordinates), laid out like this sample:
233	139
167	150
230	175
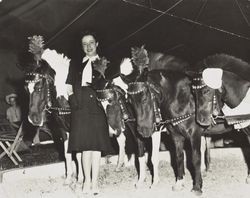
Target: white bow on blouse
87	71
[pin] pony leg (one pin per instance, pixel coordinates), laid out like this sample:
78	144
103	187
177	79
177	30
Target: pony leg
156	139
179	145
207	154
196	160
142	172
203	150
68	166
36	139
248	161
121	142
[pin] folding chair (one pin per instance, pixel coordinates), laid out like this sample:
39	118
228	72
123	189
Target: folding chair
10	140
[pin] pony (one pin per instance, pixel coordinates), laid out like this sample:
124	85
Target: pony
167	95
112	98
232	95
48	101
120	115
144	63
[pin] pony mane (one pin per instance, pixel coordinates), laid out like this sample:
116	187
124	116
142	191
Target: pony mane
60	64
226	62
158	60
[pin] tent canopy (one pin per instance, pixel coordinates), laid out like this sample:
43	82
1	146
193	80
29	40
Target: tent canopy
189	29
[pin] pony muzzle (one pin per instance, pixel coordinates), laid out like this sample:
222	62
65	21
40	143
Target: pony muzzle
35	120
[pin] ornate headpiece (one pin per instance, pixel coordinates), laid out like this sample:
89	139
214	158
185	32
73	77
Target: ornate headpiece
36	44
101	65
213	77
140	57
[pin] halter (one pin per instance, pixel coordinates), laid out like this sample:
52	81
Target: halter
199	84
139	87
34	77
135	88
105	94
110	95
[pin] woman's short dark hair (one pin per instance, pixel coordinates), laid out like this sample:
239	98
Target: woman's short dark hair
89	32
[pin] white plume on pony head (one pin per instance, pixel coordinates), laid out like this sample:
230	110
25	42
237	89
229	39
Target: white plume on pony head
60	64
212	77
119	82
126	66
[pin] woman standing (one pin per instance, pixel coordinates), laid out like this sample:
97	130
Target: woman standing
89	129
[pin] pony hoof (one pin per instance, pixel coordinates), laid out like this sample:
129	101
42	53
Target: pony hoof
179	186
154	184
197	192
248	179
118	168
67	182
204	173
138	185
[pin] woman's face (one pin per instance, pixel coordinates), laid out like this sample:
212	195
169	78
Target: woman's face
89	45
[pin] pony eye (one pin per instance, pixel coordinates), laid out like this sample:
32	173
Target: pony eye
144	99
37	89
206	91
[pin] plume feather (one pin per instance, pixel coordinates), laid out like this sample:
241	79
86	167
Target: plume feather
126	67
140	57
60	63
101	64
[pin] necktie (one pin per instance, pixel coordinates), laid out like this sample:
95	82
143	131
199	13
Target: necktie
87	71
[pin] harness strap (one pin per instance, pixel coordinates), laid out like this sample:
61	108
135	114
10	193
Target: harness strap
175	121
58	110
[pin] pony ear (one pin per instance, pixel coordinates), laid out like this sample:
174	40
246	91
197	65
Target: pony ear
192	74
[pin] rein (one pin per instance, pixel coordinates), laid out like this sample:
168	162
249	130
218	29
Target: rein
175	121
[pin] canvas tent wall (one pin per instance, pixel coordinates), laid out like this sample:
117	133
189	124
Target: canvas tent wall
190	29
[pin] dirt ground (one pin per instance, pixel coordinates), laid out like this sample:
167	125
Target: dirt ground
226	179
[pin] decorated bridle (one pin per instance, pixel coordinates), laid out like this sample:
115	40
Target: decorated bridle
199	84
110	95
139	87
35	77
135	88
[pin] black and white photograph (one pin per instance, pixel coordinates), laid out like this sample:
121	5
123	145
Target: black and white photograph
124	98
